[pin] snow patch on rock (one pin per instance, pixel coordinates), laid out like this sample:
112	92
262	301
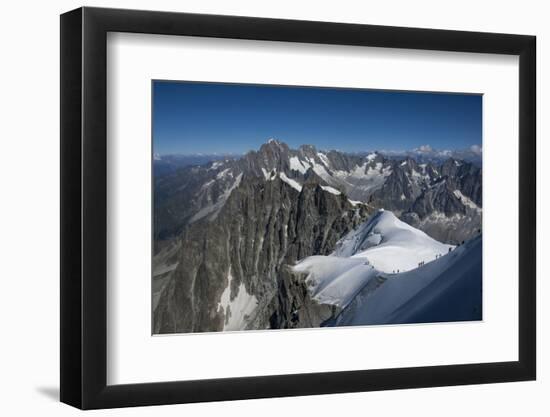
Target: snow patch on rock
236	310
330	190
293	183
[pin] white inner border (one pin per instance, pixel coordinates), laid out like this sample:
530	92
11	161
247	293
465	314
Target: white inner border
134	356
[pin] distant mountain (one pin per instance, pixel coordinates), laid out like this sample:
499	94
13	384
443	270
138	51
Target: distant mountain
426	154
167	164
228	232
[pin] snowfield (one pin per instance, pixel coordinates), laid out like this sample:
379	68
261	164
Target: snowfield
389	244
436	282
448	289
297	165
333	280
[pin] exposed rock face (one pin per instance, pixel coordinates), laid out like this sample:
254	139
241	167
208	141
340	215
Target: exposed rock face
444	201
432	185
263	227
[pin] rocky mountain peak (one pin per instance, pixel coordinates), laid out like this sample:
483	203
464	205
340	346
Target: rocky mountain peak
450	167
308	151
408	164
274	146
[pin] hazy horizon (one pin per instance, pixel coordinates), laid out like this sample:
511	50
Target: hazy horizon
420	149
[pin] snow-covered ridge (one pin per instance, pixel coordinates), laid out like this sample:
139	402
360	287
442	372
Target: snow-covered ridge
383	245
361	277
333	280
297	165
367	175
448	289
389	244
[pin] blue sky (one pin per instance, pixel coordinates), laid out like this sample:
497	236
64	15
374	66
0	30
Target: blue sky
191	117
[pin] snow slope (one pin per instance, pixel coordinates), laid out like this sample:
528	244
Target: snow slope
390	244
333	280
448	289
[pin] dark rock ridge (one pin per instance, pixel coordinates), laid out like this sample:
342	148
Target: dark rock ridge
263	227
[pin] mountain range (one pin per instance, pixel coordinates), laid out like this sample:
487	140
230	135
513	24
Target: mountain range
442	199
230	234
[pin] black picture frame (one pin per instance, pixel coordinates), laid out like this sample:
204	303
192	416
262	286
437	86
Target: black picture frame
84	207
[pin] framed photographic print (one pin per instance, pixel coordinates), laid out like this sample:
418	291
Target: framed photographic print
257	208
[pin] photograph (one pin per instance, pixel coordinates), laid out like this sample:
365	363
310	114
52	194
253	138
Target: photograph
285	207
